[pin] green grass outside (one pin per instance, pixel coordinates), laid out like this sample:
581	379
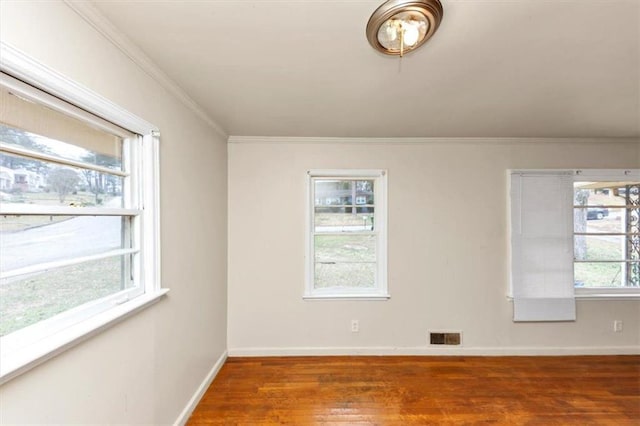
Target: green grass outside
28	300
600	274
345	248
354	248
81	198
353	275
343	219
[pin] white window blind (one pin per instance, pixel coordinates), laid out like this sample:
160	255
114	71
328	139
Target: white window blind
542	246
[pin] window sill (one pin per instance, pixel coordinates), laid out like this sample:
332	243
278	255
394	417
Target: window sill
601	296
608	296
28	357
364	297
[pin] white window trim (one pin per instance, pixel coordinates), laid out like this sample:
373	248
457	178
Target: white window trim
23	351
380	292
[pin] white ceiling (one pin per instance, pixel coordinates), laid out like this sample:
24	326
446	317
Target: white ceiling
495	68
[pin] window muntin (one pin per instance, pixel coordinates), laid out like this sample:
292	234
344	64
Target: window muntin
41	182
347	252
606	234
30	240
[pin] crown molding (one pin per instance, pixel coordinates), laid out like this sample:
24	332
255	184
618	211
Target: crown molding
99	22
419	140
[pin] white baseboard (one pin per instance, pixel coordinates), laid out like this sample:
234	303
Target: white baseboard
438	350
197	396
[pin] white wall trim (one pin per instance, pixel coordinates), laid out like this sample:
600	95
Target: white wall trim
421	140
437	350
195	399
100	23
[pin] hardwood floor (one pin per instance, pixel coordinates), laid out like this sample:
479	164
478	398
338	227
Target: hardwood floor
584	390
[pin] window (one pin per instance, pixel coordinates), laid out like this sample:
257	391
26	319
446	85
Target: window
606	231
346	251
79	235
573	232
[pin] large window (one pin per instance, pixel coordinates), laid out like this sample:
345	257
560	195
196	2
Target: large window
346	252
574	233
78	221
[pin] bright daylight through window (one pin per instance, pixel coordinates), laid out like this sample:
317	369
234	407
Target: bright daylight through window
77	221
347	238
606	234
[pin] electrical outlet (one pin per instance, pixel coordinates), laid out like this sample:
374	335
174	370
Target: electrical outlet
617	326
355	326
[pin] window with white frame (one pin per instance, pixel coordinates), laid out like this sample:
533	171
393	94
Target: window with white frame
346	250
606	230
574	233
79	223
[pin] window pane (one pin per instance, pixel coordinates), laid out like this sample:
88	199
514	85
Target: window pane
31	240
606	208
27	300
603	219
603	247
338	192
109	156
604	274
332	192
364	191
344	219
26	181
39	128
345	275
352	248
602	193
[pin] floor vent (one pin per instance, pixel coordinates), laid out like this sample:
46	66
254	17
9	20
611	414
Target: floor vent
444	338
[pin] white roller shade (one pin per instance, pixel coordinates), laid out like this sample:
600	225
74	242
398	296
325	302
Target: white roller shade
36	118
542	246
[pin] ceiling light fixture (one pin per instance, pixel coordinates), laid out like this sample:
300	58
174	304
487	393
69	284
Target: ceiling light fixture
400	26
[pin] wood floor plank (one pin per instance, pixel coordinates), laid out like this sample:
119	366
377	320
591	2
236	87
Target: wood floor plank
581	390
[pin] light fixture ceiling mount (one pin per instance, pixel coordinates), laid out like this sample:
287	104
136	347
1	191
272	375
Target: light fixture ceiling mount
400	26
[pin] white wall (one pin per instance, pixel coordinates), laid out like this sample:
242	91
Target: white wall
448	247
145	369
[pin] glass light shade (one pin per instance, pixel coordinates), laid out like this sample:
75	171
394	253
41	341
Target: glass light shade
411	32
409	27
